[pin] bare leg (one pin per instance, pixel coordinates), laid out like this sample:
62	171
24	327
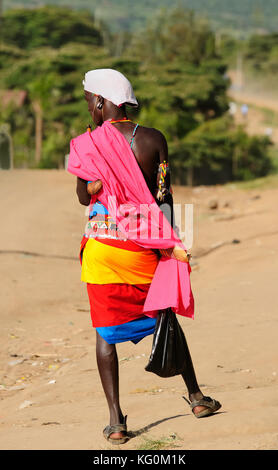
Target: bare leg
108	366
189	377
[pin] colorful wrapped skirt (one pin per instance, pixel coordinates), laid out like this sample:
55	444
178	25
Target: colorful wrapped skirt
118	274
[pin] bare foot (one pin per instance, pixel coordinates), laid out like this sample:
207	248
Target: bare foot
117	435
195	397
201	410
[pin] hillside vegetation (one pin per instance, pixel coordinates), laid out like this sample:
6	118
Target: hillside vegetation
237	16
179	77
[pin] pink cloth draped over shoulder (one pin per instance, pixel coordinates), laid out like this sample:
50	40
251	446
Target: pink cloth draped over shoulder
105	154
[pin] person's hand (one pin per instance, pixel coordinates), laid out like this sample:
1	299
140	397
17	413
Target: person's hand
176	253
94	187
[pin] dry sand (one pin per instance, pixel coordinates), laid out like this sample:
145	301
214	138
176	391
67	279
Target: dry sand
51	395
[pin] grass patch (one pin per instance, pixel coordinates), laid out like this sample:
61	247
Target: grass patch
159	443
147	390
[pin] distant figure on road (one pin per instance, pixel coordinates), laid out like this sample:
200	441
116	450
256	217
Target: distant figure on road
268	131
232	108
244	111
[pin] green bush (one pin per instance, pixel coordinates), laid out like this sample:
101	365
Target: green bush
217	152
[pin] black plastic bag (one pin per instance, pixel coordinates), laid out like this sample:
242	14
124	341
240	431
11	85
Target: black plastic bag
169	348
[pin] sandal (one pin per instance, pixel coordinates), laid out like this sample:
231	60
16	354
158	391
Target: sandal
211	405
116	428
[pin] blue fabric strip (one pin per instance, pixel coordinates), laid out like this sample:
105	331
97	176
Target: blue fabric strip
132	331
98	209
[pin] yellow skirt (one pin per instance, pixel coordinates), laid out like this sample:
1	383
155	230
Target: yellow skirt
106	264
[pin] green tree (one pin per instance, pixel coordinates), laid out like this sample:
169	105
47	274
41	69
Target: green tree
40	92
49	27
172	34
262	53
182	80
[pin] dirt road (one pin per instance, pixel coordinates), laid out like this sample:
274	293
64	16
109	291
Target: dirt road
51	395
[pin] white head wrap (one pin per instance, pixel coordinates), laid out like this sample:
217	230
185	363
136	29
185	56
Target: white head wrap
110	84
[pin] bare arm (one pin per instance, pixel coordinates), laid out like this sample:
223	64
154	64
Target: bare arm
82	193
84	190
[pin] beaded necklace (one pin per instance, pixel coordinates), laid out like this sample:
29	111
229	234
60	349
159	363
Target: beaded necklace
134	130
89	129
120	120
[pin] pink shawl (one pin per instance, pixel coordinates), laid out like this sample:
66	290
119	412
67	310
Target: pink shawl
106	155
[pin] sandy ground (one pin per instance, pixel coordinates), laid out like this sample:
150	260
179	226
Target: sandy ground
51	395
